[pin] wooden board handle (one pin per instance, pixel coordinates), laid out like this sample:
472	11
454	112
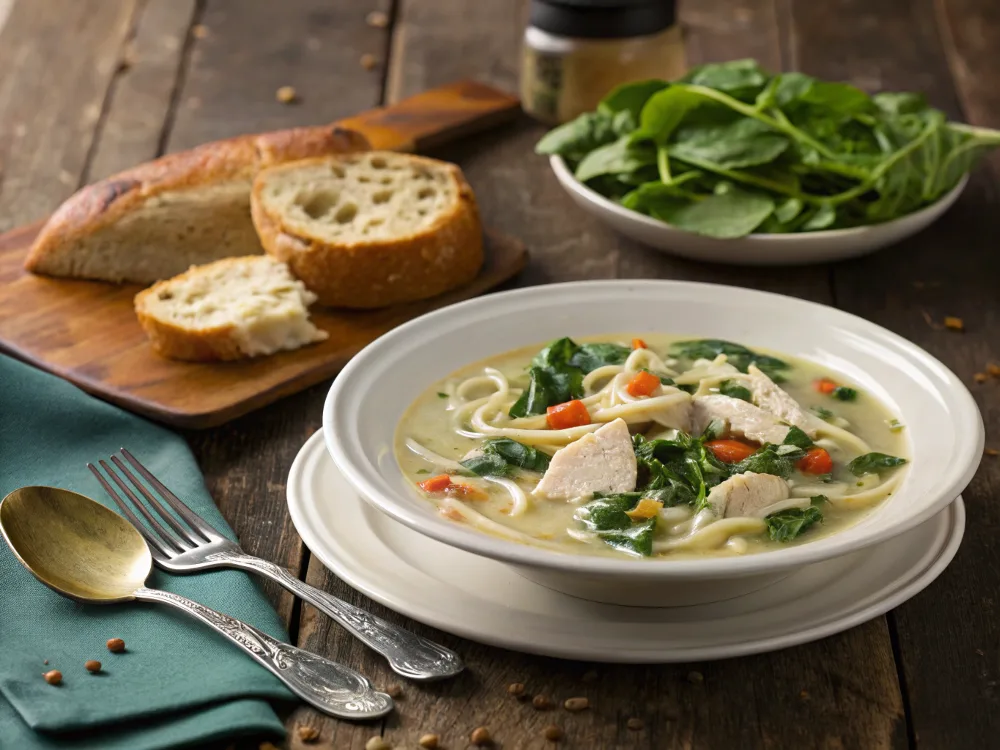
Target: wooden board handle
434	117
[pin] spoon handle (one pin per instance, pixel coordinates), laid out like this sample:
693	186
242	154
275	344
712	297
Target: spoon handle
327	686
409	654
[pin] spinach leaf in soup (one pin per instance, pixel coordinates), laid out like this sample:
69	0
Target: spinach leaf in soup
734	390
874	463
736	354
798	438
682	465
588	357
843	393
776	459
503	456
785	525
607	517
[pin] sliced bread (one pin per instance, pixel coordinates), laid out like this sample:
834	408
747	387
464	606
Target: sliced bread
230	309
370	230
158	219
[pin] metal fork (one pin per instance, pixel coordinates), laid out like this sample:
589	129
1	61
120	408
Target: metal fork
201	547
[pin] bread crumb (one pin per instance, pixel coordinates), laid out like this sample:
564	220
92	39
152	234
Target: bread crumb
369	61
516	689
541	702
481	737
980	377
955	324
377	743
268	746
308	734
576	704
993	369
394	691
635	724
804	695
552	733
286	95
992	452
930	321
429	741
199	31
377	19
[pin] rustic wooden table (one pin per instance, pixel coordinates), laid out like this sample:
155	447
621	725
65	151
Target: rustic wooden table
89	87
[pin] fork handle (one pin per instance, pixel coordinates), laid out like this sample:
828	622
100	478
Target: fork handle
326	685
409	654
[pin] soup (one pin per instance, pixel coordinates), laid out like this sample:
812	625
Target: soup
662	448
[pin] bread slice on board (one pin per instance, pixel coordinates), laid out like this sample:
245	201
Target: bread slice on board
230	309
156	220
370	229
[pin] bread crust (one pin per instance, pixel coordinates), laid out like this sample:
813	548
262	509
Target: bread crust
102	203
378	273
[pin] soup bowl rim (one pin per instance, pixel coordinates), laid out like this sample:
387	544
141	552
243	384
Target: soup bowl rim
356	383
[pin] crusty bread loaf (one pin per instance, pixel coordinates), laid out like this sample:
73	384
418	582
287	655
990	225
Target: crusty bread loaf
370	230
230	309
156	220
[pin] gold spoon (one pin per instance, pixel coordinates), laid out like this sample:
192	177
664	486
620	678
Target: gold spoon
88	553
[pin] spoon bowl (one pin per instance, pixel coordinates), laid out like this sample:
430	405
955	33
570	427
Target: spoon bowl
75	546
86	552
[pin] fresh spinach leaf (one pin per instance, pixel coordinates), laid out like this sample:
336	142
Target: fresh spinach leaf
631	97
874	463
577	138
733	389
607	517
798	438
785	525
737	355
741	79
617	158
731	213
743	143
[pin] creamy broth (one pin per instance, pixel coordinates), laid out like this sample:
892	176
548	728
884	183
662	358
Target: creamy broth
757	492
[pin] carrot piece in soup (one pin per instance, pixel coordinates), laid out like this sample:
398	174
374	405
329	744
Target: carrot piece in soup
570	414
645	508
825	385
643	384
466	491
730	451
436	484
639	344
816	461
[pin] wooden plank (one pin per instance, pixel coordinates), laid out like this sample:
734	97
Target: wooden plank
850	697
58	60
140	100
947	636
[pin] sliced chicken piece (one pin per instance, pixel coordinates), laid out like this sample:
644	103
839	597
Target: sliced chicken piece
769	397
601	461
740	418
743	494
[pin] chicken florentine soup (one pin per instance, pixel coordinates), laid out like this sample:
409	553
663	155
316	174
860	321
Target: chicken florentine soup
656	448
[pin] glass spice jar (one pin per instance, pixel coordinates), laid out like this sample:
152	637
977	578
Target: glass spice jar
575	51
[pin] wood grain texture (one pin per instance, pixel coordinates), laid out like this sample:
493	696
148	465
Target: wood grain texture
947	638
841	692
57	62
87	332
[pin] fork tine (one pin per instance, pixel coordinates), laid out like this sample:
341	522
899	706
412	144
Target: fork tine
155	545
195	521
166	515
168	538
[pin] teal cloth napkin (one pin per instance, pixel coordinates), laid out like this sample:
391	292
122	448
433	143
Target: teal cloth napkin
178	683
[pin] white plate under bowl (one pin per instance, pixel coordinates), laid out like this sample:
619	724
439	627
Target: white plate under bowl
756	249
487	601
369	398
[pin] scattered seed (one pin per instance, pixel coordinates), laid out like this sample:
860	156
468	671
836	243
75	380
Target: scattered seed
979	651
516	689
93	666
576	704
696	678
634	724
286	94
804	695
45	662
394	691
541	702
199	31
993	369
53	677
377	19
980	377
377	743
267	746
481	736
369	61
590	676
429	741
116	645
955	324
991	452
308	734
930	321
552	733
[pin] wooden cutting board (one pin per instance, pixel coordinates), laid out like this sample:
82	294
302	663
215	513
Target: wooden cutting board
87	332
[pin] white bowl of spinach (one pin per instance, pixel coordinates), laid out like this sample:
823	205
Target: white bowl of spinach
733	164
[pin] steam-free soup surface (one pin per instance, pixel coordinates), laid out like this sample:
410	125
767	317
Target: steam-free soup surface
659	446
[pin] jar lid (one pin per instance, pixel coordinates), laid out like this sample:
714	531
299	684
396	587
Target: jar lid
602	19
